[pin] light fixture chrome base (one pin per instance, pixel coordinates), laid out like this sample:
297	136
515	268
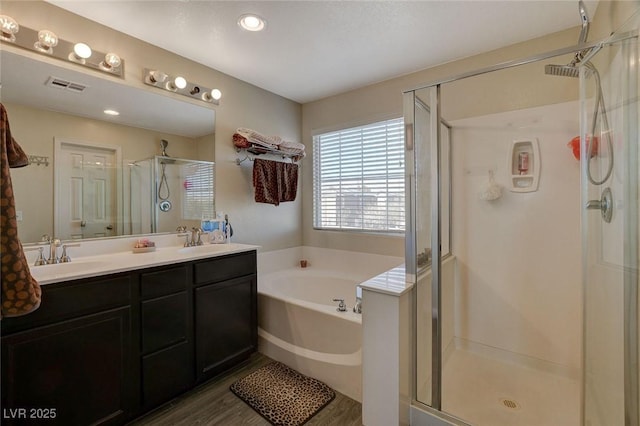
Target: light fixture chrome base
27	38
161	80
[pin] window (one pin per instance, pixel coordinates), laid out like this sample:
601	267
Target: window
358	178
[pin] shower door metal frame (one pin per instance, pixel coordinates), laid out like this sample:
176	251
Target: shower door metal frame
410	245
631	249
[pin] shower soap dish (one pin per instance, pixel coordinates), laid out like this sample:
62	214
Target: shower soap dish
144	246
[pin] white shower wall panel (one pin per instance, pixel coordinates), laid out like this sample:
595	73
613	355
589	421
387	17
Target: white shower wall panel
518	285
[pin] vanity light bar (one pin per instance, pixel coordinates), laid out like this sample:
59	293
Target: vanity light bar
47	43
180	85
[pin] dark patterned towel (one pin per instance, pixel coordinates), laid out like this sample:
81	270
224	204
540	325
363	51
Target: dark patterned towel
20	292
274	181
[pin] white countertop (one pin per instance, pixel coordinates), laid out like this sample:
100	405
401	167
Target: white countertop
110	263
392	282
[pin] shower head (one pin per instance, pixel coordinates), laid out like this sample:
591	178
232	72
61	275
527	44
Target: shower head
562	70
167	160
584	17
569	70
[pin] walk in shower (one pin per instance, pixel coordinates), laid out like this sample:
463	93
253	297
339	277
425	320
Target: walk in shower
522	239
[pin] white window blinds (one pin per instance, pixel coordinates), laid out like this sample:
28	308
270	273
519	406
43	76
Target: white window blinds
198	200
358	178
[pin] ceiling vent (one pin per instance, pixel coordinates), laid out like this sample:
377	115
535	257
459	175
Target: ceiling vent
60	83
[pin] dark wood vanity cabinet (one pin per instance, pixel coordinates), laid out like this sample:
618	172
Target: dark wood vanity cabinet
75	365
106	350
225	313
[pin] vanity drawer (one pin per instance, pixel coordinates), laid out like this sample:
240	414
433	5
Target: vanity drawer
164	321
225	268
166	281
74	298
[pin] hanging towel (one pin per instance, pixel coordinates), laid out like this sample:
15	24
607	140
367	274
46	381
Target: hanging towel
288	181
20	292
274	181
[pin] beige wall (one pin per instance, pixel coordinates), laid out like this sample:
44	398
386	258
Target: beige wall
384	100
242	105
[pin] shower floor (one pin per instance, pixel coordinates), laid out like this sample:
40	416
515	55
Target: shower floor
485	391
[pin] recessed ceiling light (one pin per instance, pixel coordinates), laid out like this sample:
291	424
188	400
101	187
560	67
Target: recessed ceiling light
251	22
111	112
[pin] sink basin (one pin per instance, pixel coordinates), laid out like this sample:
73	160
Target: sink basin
65	268
208	248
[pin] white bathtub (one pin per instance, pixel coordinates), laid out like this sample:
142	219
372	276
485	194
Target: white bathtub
298	321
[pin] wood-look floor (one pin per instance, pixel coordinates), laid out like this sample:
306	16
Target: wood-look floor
214	404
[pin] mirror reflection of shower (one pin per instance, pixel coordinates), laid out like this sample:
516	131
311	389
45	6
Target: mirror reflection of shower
189	183
164	192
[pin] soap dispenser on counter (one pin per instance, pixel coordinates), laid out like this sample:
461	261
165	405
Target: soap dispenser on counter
524	165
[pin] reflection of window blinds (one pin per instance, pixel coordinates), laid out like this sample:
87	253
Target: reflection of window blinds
198	200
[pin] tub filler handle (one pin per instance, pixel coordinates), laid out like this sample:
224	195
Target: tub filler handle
342	307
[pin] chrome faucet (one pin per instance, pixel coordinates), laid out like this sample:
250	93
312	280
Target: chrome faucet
65	257
40	260
182	232
357	308
196	232
53	243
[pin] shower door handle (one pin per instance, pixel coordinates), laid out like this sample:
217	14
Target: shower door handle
604	204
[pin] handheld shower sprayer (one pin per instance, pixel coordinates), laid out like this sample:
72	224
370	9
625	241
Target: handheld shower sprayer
163	186
572	69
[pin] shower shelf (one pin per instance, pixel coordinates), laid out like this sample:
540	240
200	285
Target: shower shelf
524	164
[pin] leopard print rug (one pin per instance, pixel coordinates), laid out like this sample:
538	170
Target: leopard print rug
282	395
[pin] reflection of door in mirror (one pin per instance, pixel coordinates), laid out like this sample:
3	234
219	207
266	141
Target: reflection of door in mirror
86	182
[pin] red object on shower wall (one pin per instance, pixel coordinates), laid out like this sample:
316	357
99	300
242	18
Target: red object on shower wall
575	147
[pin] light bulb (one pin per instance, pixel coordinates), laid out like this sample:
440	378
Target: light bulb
216	94
111	112
9	27
180	82
111	60
252	22
47	40
82	51
156	76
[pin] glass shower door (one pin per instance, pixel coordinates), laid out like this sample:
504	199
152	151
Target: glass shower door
428	234
610	226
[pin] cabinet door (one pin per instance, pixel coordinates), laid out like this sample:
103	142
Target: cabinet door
166	373
75	371
226	324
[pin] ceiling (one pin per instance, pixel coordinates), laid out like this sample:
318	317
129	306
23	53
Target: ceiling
314	49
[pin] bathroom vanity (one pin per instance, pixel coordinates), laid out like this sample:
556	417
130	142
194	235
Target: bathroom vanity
106	349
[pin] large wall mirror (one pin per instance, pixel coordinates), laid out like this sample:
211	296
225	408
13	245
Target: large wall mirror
148	169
